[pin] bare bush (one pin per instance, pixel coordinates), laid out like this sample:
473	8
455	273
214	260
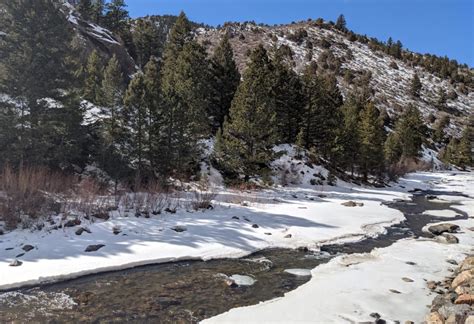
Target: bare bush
405	166
29	193
203	196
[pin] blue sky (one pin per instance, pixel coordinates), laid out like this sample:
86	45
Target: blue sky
441	27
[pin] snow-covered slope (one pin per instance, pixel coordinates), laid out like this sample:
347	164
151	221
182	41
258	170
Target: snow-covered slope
390	77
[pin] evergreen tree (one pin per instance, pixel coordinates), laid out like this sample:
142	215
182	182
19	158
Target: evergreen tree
411	131
392	149
416	86
36	52
93	78
146	41
439	129
226	79
288	90
112	159
116	15
341	23
135	114
321	120
86	9
245	145
350	142
465	147
156	118
371	142
442	99
98	8
185	90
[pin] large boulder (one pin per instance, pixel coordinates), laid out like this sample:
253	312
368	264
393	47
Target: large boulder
463	278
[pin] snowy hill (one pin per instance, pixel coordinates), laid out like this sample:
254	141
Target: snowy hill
390	78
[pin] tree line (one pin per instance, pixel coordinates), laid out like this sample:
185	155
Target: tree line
153	125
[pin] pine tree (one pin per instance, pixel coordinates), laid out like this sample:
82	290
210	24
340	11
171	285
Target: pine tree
341	23
185	91
156	118
86	9
113	92
392	149
93	78
288	90
442	99
416	86
146	41
464	158
116	15
350	151
411	131
112	159
135	113
36	52
371	143
439	129
98	8
245	145
322	115
226	79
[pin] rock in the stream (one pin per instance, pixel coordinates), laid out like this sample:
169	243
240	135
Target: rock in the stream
287	236
255	226
407	279
93	248
447	238
16	263
27	248
451	261
235	217
443	228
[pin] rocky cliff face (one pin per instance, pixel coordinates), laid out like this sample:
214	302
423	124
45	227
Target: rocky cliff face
93	37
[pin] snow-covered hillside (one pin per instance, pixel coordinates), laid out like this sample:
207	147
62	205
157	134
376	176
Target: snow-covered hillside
390	77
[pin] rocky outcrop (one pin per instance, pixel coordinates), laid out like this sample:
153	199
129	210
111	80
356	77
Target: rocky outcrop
456	304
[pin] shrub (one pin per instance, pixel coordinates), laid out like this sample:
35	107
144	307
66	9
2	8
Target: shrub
29	193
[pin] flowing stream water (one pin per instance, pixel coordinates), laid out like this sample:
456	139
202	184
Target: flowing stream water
189	291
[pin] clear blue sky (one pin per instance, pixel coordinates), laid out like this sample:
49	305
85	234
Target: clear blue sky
441	27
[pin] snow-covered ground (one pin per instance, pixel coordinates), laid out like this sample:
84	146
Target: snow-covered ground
285	217
390	281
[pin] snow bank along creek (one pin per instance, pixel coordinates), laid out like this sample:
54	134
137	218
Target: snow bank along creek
190	291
